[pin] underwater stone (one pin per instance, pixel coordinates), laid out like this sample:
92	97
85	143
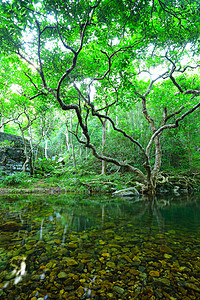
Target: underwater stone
118	290
62	275
161	282
10	226
71	262
154	273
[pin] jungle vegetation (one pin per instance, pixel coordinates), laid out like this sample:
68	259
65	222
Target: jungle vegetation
105	84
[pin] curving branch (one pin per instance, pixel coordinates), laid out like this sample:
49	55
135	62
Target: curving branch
73	65
122	49
110	159
101	116
14	119
166	118
29	77
61	38
169	126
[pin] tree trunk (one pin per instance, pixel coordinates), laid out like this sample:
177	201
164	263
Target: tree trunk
2	124
31	152
25	151
103	170
67	139
46	149
72	143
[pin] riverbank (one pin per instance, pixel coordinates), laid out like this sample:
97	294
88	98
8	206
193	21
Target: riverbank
92	183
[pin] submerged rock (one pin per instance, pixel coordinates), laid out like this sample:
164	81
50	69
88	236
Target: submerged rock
161	282
10	226
118	290
62	275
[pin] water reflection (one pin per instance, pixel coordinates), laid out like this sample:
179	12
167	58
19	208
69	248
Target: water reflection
103	248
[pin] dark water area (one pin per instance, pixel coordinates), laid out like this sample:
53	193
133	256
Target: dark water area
79	247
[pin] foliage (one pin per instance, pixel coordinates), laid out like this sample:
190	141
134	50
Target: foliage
45	167
6	144
139	58
16	179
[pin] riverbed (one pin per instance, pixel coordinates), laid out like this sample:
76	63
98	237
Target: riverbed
80	247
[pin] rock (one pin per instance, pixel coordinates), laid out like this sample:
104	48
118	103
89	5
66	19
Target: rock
57	241
192	286
110	264
167	256
105	254
129	192
110	296
134	272
69	288
161	282
72	245
62	275
127	258
154	273
136	261
71	262
166	249
68	282
10	226
118	290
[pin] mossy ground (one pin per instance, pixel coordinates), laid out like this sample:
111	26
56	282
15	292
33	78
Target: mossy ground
79	181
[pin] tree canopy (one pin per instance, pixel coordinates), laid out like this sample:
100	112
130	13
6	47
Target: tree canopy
96	57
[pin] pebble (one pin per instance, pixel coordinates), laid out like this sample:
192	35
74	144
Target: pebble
104	263
118	290
62	275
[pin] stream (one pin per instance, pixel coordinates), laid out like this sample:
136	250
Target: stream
99	247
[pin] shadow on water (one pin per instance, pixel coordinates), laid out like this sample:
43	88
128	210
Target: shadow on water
73	247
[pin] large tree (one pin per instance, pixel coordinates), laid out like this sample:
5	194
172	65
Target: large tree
72	47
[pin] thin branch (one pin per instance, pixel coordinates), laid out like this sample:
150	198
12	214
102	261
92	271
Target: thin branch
152	82
96	113
112	55
172	115
39	56
171	74
48	27
32	10
175	83
107	106
32	81
40	94
28	61
169	126
111	160
95	6
10	120
73	65
188	67
61	38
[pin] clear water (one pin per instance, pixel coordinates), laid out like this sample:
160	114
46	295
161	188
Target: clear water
70	247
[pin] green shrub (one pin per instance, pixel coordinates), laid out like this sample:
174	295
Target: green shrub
44	166
19	178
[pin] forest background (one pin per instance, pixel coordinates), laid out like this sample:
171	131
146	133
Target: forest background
109	87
